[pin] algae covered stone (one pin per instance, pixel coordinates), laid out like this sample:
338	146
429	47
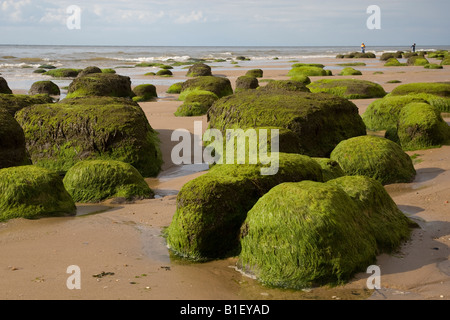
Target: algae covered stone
63	73
220	86
98	180
320	120
421	126
44	87
393	62
309	233
199	69
305	234
175	88
257	73
196	103
441	89
4	88
289	85
246	82
13	150
145	92
32	192
308	71
374	157
349	71
59	135
348	88
330	169
101	84
212	207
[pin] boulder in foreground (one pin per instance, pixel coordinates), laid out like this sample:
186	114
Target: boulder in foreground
32	192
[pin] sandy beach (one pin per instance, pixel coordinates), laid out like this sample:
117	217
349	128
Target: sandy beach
122	255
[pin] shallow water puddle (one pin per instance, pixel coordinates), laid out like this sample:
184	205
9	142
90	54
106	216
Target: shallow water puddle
154	245
89	209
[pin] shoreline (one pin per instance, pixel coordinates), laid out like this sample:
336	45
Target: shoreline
124	239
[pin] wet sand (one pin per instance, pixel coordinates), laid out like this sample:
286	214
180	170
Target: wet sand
122	255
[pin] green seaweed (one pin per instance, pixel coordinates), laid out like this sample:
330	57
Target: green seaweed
31	192
98	180
348	88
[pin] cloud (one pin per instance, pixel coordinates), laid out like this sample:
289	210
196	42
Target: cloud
194	16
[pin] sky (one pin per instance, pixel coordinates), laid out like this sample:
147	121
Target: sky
224	22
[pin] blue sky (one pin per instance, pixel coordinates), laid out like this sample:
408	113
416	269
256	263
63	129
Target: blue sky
224	22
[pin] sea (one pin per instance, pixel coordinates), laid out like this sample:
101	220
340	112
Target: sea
18	62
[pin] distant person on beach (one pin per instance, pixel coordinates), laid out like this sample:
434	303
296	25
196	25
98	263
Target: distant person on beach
413	47
363	48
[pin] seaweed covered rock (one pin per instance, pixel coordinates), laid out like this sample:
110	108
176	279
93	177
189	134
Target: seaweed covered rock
13	150
417	61
14	102
349	71
374	157
204	227
348	88
175	88
31	192
382	114
246	82
59	135
63	73
219	85
320	120
90	70
421	126
289	85
393	62
330	169
386	56
100	84
196	103
305	234
98	180
441	89
310	233
145	92
4	88
164	73
198	70
257	73
308	71
445	61
352	55
433	66
44	87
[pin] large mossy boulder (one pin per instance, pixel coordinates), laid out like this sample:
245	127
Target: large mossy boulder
305	234
145	92
98	180
13	150
4	88
63	73
393	62
220	86
374	157
211	208
31	192
349	71
59	135
421	126
289	85
417	61
386	56
89	70
246	82
320	120
44	87
100	84
196	103
441	89
257	73
382	114
348	88
199	69
308	71
15	102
